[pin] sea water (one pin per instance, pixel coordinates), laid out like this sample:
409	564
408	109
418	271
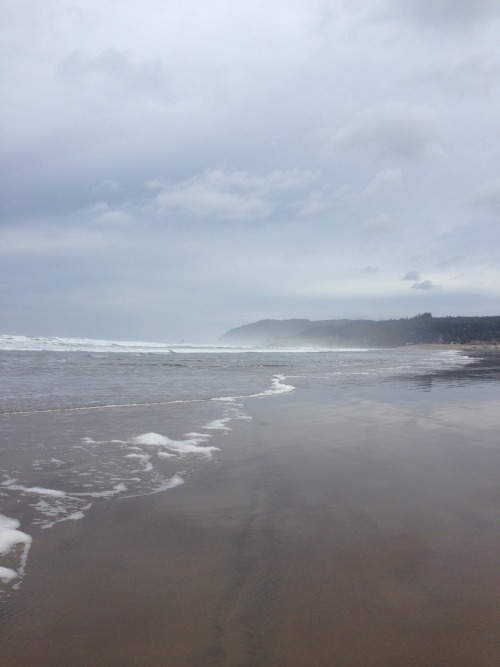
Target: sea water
85	421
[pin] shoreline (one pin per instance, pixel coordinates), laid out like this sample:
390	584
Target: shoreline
326	532
453	346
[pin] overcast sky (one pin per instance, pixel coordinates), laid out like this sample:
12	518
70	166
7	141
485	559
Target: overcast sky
174	168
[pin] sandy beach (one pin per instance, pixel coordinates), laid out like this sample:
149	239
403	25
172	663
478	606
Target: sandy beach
457	346
353	533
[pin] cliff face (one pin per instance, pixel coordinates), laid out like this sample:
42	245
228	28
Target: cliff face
362	333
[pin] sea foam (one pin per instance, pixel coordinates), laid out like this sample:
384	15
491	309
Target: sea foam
189	446
99	346
6	574
277	387
10	538
103	468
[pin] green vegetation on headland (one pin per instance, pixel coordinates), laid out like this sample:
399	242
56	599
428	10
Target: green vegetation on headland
418	330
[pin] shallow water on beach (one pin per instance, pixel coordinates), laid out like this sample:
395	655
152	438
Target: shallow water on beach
85	423
248	507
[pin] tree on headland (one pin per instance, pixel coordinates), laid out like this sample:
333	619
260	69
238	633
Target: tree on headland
422	328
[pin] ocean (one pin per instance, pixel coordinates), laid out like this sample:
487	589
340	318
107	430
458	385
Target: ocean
87	421
216	506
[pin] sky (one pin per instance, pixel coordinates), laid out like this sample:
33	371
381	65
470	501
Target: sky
173	169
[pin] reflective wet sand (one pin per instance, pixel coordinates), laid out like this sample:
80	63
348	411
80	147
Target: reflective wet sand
351	527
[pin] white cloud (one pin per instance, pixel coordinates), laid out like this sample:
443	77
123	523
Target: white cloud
237	195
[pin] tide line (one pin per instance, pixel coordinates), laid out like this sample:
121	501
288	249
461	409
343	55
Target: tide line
277	387
104	406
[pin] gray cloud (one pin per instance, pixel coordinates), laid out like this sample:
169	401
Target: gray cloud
448	13
399	130
411	275
384	181
175	170
488	196
381	224
112	71
472	77
424	285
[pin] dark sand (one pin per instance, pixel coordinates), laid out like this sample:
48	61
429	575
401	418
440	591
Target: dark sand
313	539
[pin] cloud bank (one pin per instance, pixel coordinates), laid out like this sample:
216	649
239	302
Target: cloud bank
173	170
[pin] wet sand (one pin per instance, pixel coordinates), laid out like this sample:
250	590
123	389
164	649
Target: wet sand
358	534
456	346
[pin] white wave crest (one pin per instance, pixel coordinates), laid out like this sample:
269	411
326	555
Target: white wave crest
189	446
